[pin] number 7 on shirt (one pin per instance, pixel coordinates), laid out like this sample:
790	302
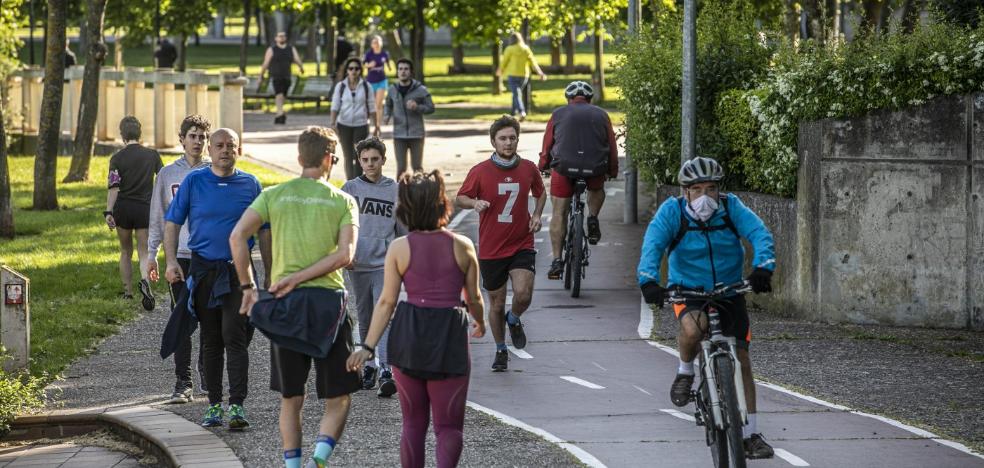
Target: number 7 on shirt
512	190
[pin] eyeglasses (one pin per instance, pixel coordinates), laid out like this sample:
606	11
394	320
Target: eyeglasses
710	191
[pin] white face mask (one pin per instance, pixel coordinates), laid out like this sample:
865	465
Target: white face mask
702	208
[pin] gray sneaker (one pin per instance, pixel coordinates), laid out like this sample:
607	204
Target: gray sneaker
182	394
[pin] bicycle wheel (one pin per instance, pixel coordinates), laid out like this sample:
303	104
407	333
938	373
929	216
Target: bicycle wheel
577	254
567	268
728	450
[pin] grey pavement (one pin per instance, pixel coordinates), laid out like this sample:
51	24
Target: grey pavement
68	454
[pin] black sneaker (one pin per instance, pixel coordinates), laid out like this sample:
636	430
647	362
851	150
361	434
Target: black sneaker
556	269
680	390
280	119
517	334
501	362
368	378
594	230
387	387
756	447
148	297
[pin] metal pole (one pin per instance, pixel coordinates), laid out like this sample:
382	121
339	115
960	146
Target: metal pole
688	141
630	212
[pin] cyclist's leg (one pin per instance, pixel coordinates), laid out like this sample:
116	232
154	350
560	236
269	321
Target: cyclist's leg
692	325
596	199
558	223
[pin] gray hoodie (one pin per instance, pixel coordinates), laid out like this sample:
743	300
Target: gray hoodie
408	124
377	220
166	185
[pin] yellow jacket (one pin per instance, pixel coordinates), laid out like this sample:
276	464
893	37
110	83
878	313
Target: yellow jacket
517	60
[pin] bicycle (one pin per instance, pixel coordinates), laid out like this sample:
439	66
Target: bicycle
720	397
575	250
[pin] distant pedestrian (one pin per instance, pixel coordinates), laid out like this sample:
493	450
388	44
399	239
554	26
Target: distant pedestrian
70	59
343	50
314	227
352	111
428	342
131	184
278	59
211	200
377	62
407	101
166	54
376	196
193	135
517	61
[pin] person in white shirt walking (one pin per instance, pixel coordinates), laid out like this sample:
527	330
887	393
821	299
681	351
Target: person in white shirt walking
352	108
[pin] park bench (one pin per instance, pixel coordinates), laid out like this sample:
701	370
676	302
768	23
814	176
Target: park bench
315	89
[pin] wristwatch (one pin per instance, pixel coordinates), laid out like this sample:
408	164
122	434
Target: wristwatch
107	213
246	287
371	350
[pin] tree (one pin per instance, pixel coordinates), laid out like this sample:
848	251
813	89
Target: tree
6	204
9	43
89	104
46	162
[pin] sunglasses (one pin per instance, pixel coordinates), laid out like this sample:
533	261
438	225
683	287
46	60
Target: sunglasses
353	68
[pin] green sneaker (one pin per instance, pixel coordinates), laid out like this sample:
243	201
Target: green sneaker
213	416
237	418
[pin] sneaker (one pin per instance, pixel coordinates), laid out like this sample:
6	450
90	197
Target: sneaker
213	416
387	387
126	295
501	362
280	119
182	393
368	377
756	447
517	334
594	230
680	390
314	463
237	418
148	297
556	269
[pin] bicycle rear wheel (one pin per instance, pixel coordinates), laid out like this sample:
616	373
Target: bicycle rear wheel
728	450
566	255
577	254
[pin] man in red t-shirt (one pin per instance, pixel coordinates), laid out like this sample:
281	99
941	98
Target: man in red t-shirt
498	189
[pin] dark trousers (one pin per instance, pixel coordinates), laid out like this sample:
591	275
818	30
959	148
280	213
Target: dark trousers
182	355
347	138
416	147
225	337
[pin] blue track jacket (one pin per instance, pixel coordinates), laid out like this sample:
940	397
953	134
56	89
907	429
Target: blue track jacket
704	258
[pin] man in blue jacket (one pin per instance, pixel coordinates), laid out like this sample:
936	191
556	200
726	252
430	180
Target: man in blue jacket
701	232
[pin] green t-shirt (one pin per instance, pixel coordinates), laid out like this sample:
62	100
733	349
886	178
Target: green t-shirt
305	216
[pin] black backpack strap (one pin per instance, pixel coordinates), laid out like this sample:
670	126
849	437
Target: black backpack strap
685	224
682	231
727	217
365	86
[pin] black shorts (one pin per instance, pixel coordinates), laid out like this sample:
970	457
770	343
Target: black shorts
734	318
289	369
280	85
130	214
495	272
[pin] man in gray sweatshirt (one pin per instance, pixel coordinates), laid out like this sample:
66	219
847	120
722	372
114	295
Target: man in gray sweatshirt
377	196
407	101
193	135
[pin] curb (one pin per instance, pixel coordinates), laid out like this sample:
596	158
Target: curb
175	441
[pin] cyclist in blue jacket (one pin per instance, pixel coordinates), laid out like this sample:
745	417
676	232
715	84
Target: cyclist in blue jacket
701	234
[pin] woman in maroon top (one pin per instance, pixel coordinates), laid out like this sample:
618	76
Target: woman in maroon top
428	341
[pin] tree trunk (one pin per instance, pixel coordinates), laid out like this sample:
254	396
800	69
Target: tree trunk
599	72
46	161
417	44
6	202
872	19
790	20
569	41
457	54
117	49
260	27
554	52
244	41
331	40
182	53
496	80
311	51
89	105
911	9
394	44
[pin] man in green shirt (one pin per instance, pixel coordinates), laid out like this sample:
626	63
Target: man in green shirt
314	227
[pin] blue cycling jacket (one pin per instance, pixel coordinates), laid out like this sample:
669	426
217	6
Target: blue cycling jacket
704	258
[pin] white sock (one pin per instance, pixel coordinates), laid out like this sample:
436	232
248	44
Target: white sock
686	368
749	428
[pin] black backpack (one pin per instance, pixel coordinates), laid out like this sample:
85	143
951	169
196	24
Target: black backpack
701	227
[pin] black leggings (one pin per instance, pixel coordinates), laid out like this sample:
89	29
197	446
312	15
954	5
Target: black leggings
182	354
225	334
348	137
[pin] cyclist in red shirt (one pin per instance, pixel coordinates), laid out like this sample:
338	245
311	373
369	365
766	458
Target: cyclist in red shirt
498	189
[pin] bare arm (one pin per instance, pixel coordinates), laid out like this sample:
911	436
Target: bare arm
469	203
247	226
266	61
266	254
399	252
297	60
110	203
171	233
340	258
535	222
473	295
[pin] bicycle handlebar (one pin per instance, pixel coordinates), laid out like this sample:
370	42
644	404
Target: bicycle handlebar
680	294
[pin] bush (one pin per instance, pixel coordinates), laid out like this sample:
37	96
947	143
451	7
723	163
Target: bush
18	394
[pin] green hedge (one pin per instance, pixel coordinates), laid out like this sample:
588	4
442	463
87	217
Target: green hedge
18	394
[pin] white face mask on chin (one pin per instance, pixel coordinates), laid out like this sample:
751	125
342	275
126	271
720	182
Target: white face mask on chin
702	208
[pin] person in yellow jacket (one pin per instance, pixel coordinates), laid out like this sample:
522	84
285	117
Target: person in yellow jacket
517	60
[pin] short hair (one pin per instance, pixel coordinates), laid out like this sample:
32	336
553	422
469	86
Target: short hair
357	61
372	142
129	128
505	121
517	38
313	143
406	61
423	204
194	121
376	36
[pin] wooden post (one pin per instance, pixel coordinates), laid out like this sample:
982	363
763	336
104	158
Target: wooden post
15	319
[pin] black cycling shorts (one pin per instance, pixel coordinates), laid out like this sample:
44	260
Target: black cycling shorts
733	315
289	369
281	85
495	272
130	214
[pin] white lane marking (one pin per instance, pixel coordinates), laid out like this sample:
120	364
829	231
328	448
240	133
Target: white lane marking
579	453
645	329
538	240
598	366
458	218
582	382
678	414
792	459
642	390
612	191
519	353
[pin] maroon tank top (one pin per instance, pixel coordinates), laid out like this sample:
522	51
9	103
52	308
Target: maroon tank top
433	278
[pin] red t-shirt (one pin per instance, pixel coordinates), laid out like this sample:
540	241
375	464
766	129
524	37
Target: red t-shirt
503	227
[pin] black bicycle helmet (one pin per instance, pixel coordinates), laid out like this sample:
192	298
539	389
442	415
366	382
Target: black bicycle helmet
579	88
700	169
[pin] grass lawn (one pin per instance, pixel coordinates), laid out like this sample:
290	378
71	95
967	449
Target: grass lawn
72	260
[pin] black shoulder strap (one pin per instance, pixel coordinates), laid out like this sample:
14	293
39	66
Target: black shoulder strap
727	216
682	231
365	87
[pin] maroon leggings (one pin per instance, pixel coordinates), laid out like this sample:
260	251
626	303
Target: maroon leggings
418	397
